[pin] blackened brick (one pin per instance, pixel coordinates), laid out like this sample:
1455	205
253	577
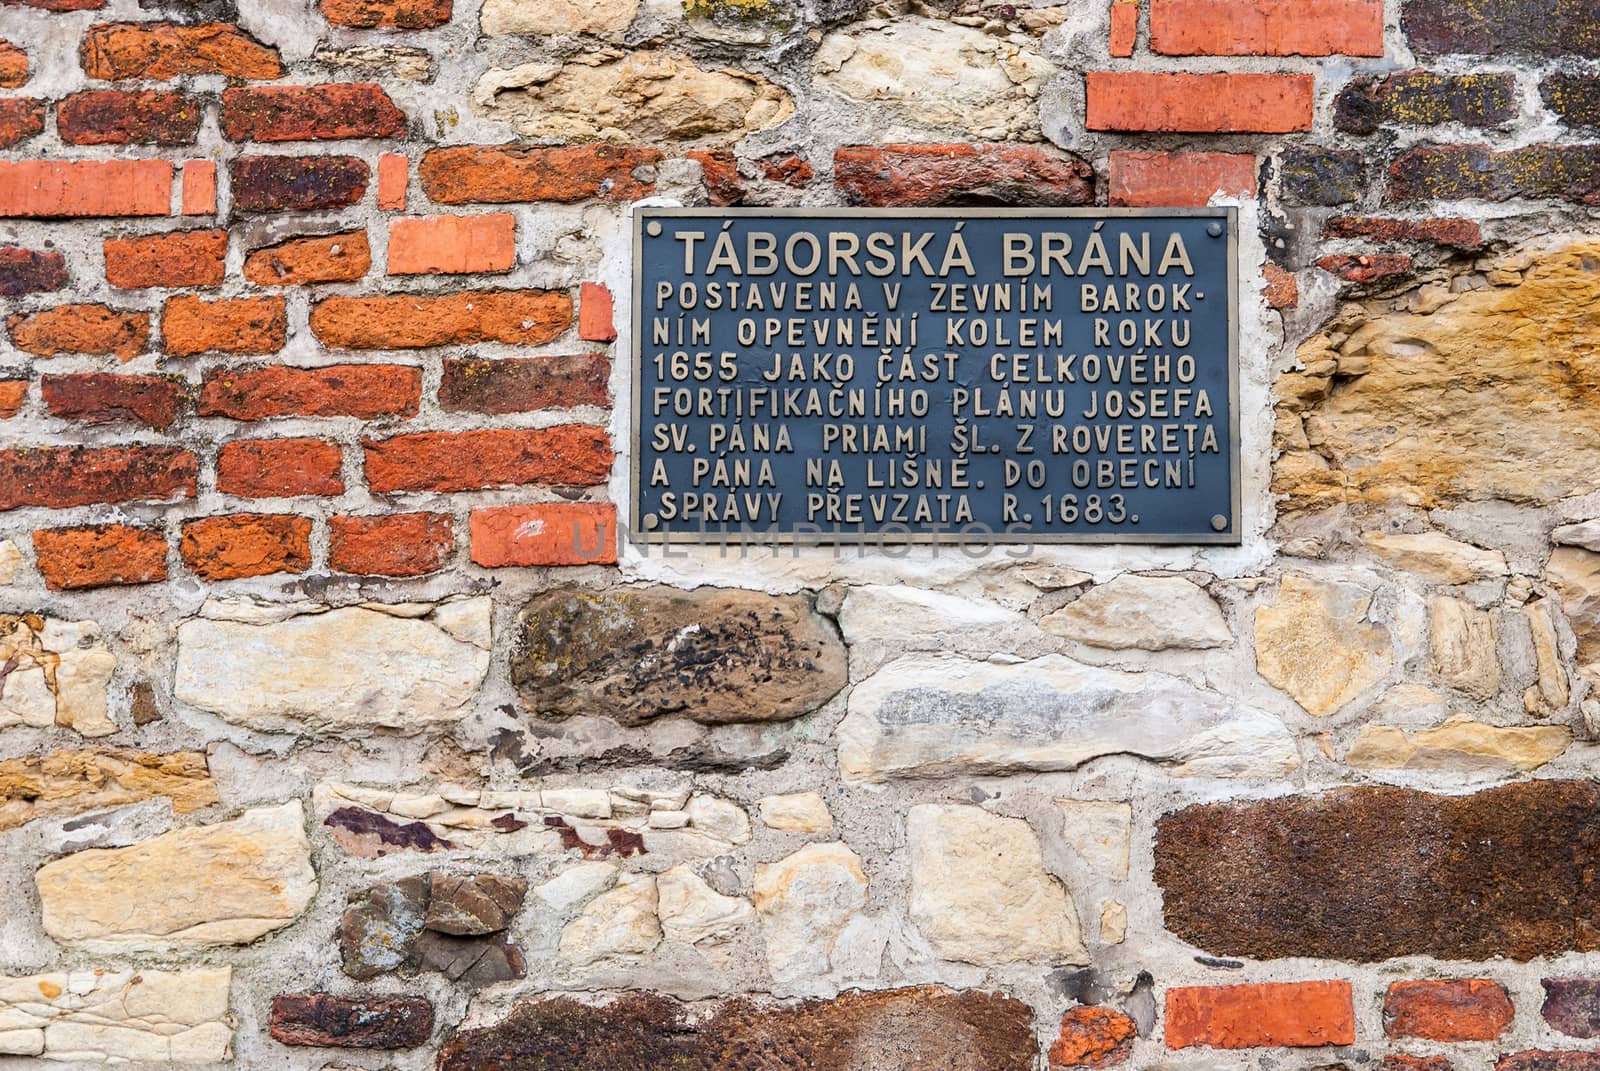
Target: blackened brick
1310	175
1423	98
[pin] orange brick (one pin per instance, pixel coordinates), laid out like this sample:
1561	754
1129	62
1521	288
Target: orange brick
279	468
1467	1009
571	454
401	544
1200	103
595	322
13	393
1179	179
199	188
95	555
554	533
1272	1014
13	65
413	321
394	173
88	329
85	188
422	245
1283	289
1124	27
156	51
246	544
190	325
366	391
329	258
181	258
1266	27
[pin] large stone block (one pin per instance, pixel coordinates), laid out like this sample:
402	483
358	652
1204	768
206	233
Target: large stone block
1368	874
645	651
1317	644
118	1016
58	674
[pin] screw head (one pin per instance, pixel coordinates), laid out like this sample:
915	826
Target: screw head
1215	230
653	229
650	521
1219	523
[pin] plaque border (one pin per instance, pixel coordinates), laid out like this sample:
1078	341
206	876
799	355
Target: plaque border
1233	536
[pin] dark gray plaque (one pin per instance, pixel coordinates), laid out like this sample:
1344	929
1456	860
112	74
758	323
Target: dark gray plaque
981	374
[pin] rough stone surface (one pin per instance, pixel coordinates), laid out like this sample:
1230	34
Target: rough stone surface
1459	744
925	716
1572	1006
324	1020
1317	643
1464	647
1368	874
1148	613
804	901
620	922
1100	833
1435	557
980	893
796	812
220	884
72	782
692	911
500	17
120	1016
1575	574
1093	1038
643	652
58	675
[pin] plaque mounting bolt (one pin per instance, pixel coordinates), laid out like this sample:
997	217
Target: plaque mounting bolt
1219	523
1215	230
650	521
653	229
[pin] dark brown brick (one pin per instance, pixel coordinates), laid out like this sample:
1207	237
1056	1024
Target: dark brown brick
1455	232
1423	98
929	175
297	183
1366	874
310	113
1573	97
522	384
101	398
1311	175
1476	172
30	271
113	117
1572	1006
58	477
340	1022
1503	27
1543	1060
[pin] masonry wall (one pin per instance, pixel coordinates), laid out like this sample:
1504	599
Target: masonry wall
341	726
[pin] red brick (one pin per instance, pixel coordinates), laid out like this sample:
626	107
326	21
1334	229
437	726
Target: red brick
156	51
246	544
1283	289
575	454
387	14
58	477
961	174
719	171
94	330
1266	27
30	271
1366	269
1548	1060
13	395
1200	103
59	5
399	544
96	555
13	65
199	195
1124	27
179	258
596	321
1275	1014
552	533
1179	179
279	468
297	183
21	118
1468	1009
1454	232
1401	1062
789	168
408	321
333	111
333	258
105	398
114	117
367	391
421	245
1093	1037
394	175
523	384
502	174
84	188
191	325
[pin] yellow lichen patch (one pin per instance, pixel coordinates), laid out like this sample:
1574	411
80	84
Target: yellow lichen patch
1492	396
71	782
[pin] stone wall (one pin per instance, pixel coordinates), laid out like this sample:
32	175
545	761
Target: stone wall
339	727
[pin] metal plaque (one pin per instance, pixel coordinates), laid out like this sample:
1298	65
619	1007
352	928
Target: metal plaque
1001	375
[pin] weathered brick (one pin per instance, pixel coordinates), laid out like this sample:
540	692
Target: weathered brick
1454	231
297	183
279	468
333	258
156	51
13	395
1179	179
178	258
1469	1009
719	172
59	5
94	330
394	175
1275	1014
1573	97
1312	175
523	384
596	319
367	391
246	544
1093	1037
1547	1060
1283	289
360	1023
97	555
192	325
406	321
85	188
1572	1006
1365	268
13	65
1503	28
1124	27
199	197
1423	98
918	175
1476	172
422	245
310	113
789	168
104	398
30	271
1137	101
399	544
115	117
1266	27
575	454
21	118
387	14
1367	874
501	174
548	533
1402	1062
58	477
